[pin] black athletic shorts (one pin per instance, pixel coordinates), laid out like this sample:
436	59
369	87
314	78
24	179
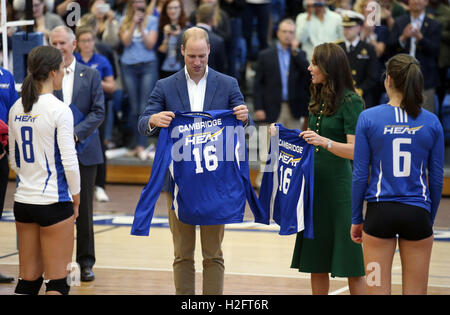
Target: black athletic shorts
44	215
389	219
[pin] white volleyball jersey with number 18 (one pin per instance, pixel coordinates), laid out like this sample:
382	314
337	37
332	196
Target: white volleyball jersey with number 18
42	152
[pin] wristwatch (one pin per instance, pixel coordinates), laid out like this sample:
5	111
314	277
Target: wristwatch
329	144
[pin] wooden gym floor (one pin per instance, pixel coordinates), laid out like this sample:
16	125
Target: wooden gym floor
257	259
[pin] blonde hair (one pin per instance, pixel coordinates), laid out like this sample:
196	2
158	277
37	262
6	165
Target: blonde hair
128	19
359	5
89	19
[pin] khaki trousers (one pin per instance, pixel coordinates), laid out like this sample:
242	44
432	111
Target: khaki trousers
211	237
286	118
288	121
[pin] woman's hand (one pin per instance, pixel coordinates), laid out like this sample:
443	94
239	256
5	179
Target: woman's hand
76	205
138	16
273	130
313	138
168	30
356	233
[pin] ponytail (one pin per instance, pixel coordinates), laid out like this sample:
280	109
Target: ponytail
412	91
408	80
41	61
30	92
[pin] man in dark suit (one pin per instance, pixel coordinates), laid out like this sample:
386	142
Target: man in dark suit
418	35
196	87
280	86
361	56
217	57
82	91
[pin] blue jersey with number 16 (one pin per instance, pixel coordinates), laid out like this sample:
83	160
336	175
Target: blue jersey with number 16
206	155
288	183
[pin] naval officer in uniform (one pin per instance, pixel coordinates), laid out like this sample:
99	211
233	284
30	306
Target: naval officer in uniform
361	56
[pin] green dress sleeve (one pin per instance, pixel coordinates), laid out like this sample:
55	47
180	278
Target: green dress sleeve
352	106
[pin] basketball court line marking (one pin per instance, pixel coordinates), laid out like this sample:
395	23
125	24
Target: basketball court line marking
339	291
162	222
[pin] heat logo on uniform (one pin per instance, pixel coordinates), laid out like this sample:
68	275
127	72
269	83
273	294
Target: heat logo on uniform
25	118
287	158
400	130
203	137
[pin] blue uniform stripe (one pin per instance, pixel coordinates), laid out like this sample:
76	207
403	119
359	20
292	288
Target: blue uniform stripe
48	172
17	153
63	189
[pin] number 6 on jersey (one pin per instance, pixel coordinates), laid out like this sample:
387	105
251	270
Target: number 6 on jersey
397	155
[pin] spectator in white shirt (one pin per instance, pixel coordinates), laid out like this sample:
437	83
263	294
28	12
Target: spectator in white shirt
317	25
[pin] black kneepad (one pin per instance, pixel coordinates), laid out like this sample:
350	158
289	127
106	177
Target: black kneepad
59	285
26	287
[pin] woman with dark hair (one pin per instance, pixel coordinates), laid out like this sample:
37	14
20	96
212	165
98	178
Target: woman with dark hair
42	154
334	109
397	143
172	23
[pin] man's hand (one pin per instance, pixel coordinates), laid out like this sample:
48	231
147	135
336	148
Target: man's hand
162	119
417	34
241	112
407	33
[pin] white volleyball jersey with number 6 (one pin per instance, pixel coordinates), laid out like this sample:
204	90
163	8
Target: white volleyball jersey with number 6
42	152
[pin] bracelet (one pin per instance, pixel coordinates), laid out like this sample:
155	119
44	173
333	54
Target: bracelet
329	144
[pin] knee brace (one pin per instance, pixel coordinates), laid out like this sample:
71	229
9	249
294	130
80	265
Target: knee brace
25	287
59	285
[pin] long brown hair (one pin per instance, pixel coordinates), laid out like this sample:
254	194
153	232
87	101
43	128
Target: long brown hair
41	60
164	18
408	80
333	63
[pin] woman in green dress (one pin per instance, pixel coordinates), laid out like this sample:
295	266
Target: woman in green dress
334	110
